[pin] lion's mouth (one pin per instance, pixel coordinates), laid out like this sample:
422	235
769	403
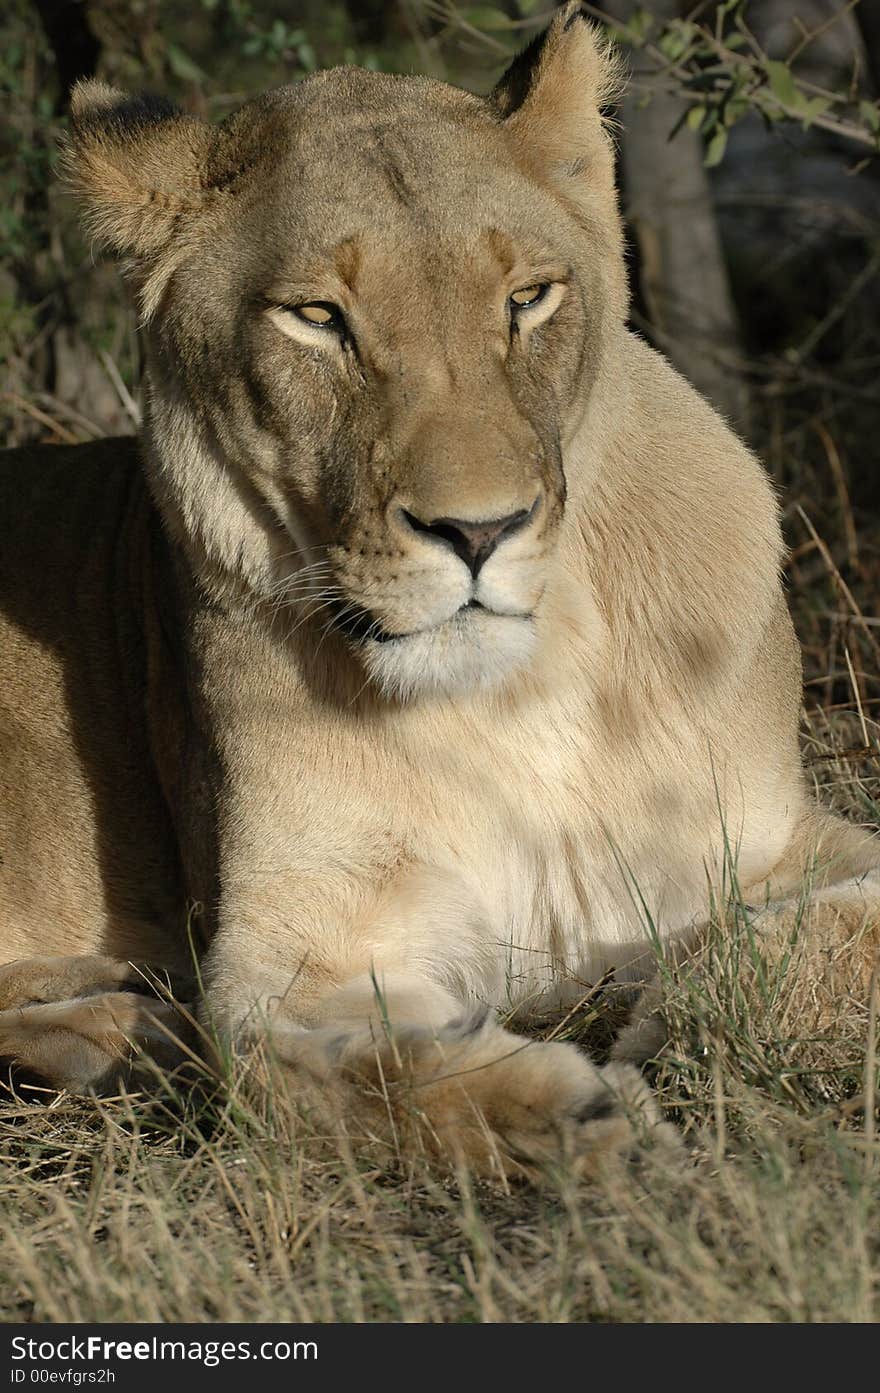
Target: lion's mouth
475	647
360	626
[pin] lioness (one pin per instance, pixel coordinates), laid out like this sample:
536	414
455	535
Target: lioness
431	637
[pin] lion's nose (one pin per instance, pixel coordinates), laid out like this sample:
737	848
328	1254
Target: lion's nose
474	542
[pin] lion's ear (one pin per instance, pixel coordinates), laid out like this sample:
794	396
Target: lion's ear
552	97
136	164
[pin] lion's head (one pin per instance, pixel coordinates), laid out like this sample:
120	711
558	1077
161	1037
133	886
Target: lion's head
375	307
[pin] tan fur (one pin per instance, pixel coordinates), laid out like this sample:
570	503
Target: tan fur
205	700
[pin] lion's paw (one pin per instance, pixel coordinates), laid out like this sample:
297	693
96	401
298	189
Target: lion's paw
473	1092
89	1043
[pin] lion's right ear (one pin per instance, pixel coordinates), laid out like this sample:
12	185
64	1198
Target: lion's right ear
137	164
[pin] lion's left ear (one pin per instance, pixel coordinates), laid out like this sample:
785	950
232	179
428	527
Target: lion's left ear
552	97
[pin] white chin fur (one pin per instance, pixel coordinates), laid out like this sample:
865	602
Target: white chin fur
466	654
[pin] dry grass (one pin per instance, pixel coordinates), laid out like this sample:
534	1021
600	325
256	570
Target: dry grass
111	1213
187	1207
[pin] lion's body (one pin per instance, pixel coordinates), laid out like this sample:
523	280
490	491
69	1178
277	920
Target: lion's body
498	807
89	861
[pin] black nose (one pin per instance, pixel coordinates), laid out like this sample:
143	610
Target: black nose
474	542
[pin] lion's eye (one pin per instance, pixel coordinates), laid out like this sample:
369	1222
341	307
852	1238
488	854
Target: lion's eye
319	312
528	296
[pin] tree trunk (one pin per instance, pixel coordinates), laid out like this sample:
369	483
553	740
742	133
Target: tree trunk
668	205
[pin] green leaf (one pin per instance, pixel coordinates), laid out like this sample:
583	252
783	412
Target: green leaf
183	66
306	55
637	29
485	17
735	110
814	108
782	83
715	149
870	114
695	117
676	39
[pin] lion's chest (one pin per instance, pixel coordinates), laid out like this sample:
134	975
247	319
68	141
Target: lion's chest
574	853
